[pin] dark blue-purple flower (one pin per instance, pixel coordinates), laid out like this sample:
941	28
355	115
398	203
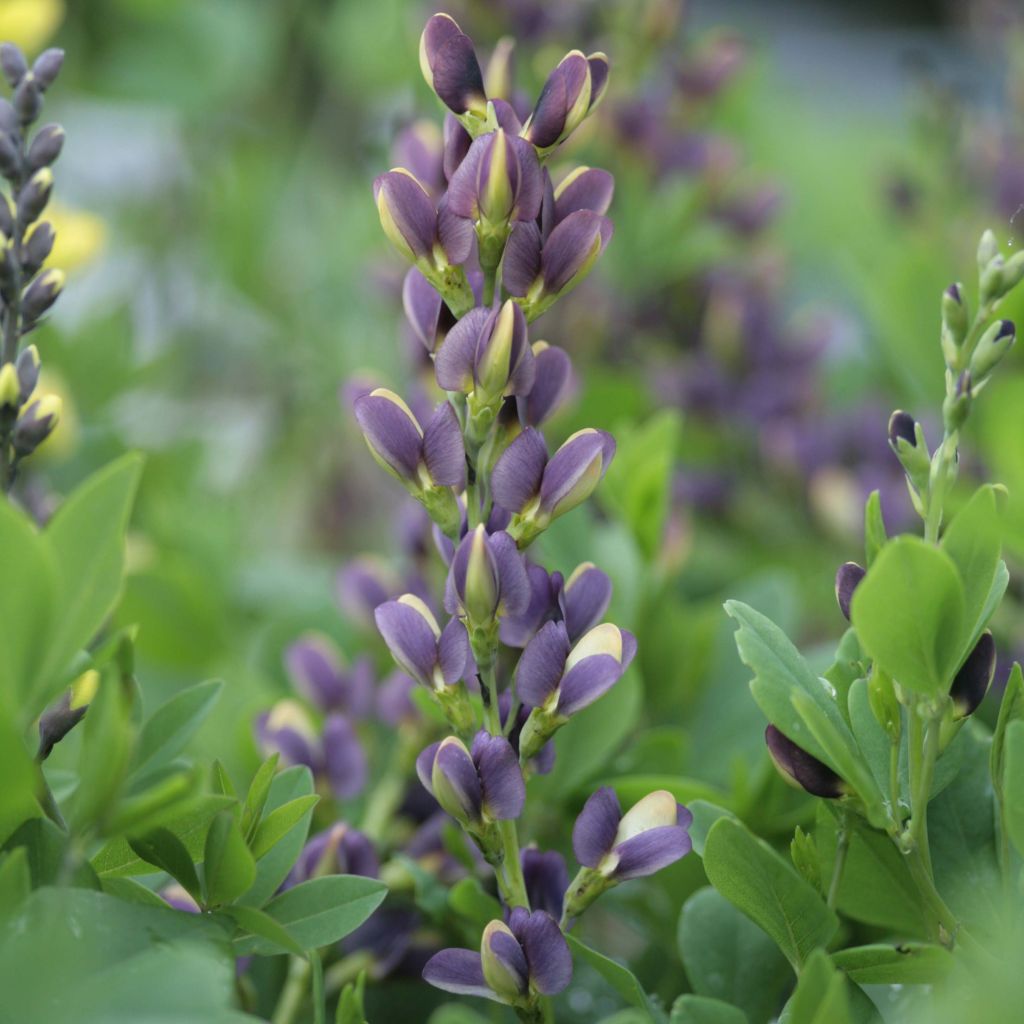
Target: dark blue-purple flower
498	181
449	65
547	878
317	670
434	657
487	578
802	768
339	850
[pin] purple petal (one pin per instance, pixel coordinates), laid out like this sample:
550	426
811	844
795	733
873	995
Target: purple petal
454	71
517	476
404	201
315	671
541	665
589	189
460	774
454	653
409	638
516	630
974	677
599	69
425	765
575	470
572	245
552	374
464	185
361	684
511	960
650	851
456	145
394	700
587	681
547	877
293	746
585	599
506	117
357	855
504	791
361	586
456	358
530	186
458	971
455	234
547	954
443	450
344	757
418	147
593	835
422	307
805	769
513	583
521	262
390	432
560	92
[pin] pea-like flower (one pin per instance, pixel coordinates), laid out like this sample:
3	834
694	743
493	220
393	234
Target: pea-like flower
537	489
318	671
974	677
476	786
449	65
547	879
428	460
518	962
498	181
571	91
338	850
335	754
558	679
487	355
803	768
848	577
614	847
362	585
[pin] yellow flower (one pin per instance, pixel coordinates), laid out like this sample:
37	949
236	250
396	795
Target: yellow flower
79	236
30	23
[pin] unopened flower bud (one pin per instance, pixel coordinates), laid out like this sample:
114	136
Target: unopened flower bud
499	76
12	61
1013	272
847	578
6	217
988	249
47	66
974	677
45	147
35	195
27	366
487	578
10	391
802	768
57	721
954	323
10	161
450	67
993	345
35	424
41	294
37	247
504	962
27	100
563	103
8	118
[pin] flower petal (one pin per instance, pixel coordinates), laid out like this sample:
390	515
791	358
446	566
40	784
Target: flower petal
443	451
585	598
459	971
587	681
541	665
344	757
593	835
422	305
314	667
650	851
587	188
521	261
572	248
513	583
518	474
504	791
552	374
453	653
391	431
412	642
449	64
456	358
407	213
547	954
575	470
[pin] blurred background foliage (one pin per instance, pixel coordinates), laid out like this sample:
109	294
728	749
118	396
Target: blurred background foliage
796	183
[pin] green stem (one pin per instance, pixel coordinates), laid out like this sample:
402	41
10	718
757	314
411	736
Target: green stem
894	785
512	865
293	994
924	748
489	694
842	847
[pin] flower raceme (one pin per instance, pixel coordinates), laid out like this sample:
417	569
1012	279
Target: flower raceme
518	961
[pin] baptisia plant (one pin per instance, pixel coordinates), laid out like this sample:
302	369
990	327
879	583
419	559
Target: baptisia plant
493	242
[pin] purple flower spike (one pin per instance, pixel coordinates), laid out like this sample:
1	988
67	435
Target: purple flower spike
487	352
563	681
546	877
802	768
652	835
586	188
552	379
477	786
518	961
848	577
339	850
344	758
420	457
450	67
975	676
487	578
584	599
433	658
499	181
563	102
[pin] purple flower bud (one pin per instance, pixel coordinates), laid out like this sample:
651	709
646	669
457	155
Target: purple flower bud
421	457
526	481
12	61
586	188
27	365
450	67
848	577
38	245
552	377
420	147
901	425
526	956
487	352
41	294
542	606
584	599
288	731
651	835
803	768
421	233
317	670
476	786
974	677
564	101
177	898
456	145
35	424
563	679
339	850
47	67
395	705
362	585
487	578
45	147
433	658
546	877
344	759
499	181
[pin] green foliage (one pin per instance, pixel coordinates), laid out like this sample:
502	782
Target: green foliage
620	978
229	867
702	1010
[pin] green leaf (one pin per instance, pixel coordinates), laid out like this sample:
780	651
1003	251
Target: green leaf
752	876
875	536
117	857
172	725
87	538
690	1009
705	814
468	899
820	996
631	788
256	798
46	851
728	957
228	865
18	771
164	850
350	1002
909	615
1013	785
910	963
1011	709
619	977
321	911
131	891
276	825
15	881
164	801
257	923
273	868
